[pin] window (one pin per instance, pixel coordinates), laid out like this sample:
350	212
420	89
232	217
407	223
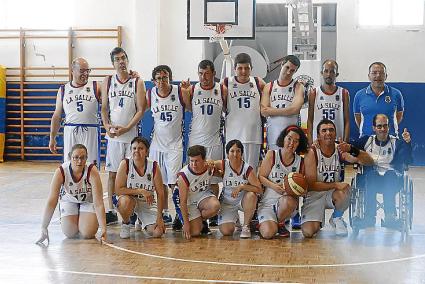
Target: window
396	13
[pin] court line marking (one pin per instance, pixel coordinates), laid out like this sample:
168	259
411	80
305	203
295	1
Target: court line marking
151	277
269	265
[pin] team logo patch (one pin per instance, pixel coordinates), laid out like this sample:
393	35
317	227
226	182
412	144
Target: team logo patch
294	169
70	183
149	176
199	93
130	84
71	92
251	85
196	180
88	89
321	98
337	97
278	166
173	98
235	85
231	175
275	90
215	92
156	100
132	176
290	89
115	85
387	99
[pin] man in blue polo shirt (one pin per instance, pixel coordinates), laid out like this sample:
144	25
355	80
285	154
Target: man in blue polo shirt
377	98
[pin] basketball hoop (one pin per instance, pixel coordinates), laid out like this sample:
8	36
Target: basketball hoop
220	30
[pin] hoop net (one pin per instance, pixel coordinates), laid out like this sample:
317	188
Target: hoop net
219	31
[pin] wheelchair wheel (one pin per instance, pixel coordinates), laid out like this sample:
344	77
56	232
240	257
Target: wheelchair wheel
356	212
410	203
406	207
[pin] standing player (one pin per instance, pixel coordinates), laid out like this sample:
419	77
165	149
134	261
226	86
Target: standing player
206	104
276	205
331	102
377	98
78	188
197	201
79	101
324	171
282	100
166	103
123	105
139	186
243	118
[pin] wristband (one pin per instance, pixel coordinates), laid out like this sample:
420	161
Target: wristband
354	151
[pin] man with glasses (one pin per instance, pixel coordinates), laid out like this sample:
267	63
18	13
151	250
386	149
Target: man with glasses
79	100
123	105
390	155
167	105
376	98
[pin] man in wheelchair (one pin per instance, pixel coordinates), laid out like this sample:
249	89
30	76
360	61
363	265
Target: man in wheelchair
391	157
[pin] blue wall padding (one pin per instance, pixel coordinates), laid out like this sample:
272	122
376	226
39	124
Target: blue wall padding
414	116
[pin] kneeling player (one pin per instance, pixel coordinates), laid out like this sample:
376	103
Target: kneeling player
139	186
240	189
197	201
276	205
79	190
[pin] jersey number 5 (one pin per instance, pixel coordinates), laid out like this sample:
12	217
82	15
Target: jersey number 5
80	106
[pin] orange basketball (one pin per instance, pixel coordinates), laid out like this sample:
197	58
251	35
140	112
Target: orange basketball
295	184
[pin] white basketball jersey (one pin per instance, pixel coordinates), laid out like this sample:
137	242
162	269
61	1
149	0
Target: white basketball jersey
279	171
329	169
329	106
198	184
167	113
382	153
280	97
72	190
232	179
207	107
243	120
122	105
142	180
80	104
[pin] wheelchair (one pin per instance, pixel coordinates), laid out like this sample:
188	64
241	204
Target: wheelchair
404	203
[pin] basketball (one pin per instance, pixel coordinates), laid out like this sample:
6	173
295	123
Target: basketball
295	184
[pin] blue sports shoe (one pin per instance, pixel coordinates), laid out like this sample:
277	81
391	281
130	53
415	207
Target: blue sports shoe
296	221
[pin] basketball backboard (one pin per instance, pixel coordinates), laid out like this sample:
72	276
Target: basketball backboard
235	19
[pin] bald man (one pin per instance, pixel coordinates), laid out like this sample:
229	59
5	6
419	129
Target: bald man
79	100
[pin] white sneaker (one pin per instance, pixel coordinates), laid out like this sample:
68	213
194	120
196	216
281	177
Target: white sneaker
138	225
339	225
246	232
125	231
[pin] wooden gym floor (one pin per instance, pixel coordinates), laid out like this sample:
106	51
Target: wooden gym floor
375	256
